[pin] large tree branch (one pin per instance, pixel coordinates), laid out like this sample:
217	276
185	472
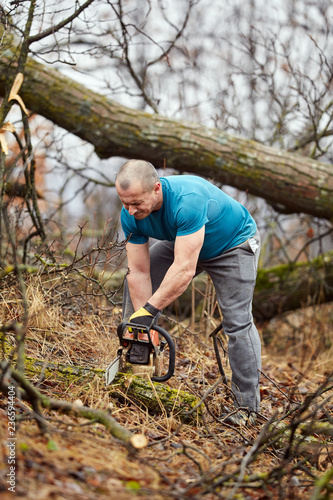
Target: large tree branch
291	182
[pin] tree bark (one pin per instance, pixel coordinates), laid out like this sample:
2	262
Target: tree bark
290	182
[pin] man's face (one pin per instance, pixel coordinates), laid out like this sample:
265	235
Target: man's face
138	202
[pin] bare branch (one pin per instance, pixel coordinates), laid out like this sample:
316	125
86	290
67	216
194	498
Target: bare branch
59	26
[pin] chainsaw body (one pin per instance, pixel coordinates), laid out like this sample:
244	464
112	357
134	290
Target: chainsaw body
143	349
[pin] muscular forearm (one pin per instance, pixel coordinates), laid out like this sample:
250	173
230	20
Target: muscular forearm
175	282
140	288
176	279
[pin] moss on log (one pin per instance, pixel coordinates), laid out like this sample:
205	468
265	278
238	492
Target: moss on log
156	397
308	441
283	288
37	399
290	286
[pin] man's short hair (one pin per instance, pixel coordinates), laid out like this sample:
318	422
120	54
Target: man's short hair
137	171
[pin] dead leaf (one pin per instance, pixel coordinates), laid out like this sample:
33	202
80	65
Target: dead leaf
325	458
13	95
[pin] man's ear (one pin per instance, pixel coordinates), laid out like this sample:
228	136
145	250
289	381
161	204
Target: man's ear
157	187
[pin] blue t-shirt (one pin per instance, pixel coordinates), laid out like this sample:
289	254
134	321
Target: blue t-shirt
189	203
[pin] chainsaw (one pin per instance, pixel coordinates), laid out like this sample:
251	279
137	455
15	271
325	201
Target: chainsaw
143	348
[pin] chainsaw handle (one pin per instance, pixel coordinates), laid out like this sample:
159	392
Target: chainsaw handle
120	331
172	349
172	355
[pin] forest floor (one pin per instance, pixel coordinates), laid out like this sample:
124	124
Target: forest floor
79	459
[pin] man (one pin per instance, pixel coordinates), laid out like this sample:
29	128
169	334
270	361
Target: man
199	228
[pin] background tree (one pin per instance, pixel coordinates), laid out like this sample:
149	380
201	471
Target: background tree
261	73
258	73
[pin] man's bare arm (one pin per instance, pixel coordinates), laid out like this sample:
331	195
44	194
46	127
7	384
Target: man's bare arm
138	278
181	272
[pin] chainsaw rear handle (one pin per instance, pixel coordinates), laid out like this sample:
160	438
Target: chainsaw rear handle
172	355
172	350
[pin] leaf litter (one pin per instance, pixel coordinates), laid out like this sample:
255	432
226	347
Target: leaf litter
207	459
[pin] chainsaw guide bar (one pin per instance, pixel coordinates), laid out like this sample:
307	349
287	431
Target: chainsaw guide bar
144	351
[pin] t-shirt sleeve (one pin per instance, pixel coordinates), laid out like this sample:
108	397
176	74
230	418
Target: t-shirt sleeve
131	230
191	216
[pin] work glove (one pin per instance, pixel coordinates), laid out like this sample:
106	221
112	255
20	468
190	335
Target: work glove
146	316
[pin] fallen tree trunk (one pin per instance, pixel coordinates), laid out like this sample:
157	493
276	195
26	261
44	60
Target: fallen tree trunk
37	400
290	182
290	286
278	289
156	397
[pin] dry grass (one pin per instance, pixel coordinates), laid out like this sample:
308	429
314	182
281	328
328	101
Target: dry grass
78	459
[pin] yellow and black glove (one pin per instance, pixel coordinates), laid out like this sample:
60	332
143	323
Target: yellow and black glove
146	316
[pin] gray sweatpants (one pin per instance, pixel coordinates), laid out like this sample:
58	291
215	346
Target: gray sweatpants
234	275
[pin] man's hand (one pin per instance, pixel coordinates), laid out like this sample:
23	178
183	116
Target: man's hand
146	316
